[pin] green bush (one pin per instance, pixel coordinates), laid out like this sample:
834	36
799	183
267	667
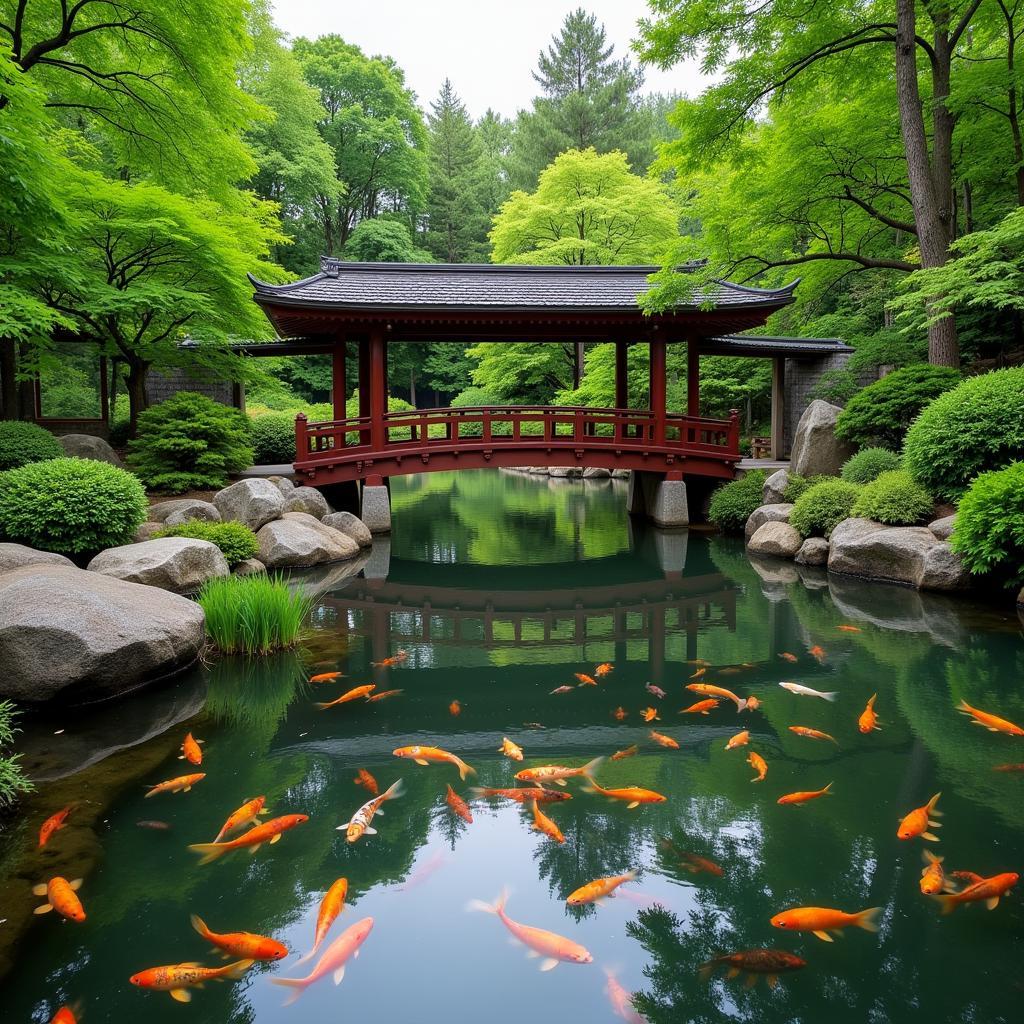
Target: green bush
798	484
882	412
989	530
867	464
822	507
732	504
71	506
273	438
895	499
22	443
12	779
235	540
975	428
190	442
253	614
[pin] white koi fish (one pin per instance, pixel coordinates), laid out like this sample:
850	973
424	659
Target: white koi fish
333	961
360	821
806	691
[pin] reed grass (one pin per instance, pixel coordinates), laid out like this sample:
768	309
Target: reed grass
253	614
12	779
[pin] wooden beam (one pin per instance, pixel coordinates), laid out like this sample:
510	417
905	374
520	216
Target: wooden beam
778	429
692	378
621	380
657	380
339	385
378	390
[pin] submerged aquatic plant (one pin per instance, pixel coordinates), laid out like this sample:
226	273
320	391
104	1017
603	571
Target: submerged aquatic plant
253	614
12	779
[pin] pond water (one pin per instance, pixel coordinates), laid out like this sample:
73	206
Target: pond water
500	588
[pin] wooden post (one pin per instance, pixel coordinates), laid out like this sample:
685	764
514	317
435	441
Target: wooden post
778	431
621	381
301	438
338	383
692	378
364	386
378	387
658	388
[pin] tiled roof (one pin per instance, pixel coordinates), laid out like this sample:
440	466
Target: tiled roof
767	345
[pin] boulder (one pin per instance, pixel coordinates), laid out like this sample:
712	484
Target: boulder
539	470
774	491
14	556
816	449
943	528
299	539
179	564
561	471
620	474
774	538
350	525
766	514
85	446
283	484
249	567
307	499
813	551
775	575
254	502
596	473
147	531
81	636
181	510
943	570
1020	597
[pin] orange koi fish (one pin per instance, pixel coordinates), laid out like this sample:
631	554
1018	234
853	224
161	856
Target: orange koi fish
354	694
54	823
182	784
243	945
822	920
696	864
754	962
699	673
759	764
803	796
396	659
752	704
991	722
663	740
868	720
66	1015
331	906
249	811
367	781
702	707
621	1001
1008	768
554	949
459	806
384	695
510	749
359	824
563	689
620	713
633	795
424	755
557	773
604	669
326	677
455	708
542	823
620	755
791	658
522	795
818	653
60	896
741	739
650	715
268	832
991	890
333	961
584	679
848	629
598	890
177	979
190	750
812	734
707	690
919	820
933	878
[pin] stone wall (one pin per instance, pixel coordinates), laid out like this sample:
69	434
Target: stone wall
161	385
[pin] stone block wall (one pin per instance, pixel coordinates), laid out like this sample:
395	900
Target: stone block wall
163	384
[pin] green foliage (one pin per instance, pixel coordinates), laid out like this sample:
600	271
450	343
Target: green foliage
796	485
818	511
868	463
235	540
383	240
989	530
190	442
895	499
733	503
13	782
976	427
71	506
253	614
273	438
22	443
884	410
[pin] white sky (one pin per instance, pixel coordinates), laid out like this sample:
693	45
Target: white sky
486	47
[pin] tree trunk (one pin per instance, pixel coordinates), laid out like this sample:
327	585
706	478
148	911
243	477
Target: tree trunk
931	210
412	388
137	401
577	366
8	383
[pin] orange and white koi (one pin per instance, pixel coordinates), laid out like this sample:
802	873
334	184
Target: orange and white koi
848	629
741	739
249	811
759	764
354	694
61	895
523	794
54	823
326	677
991	722
650	715
702	707
787	656
542	823
805	691
598	890
268	832
662	740
919	820
398	658
802	796
655	691
554	949
557	773
333	962
455	709
822	920
584	679
868	720
605	668
933	878
177	979
367	781
190	750
510	749
812	734
989	890
621	1001
620	713
424	755
331	906
620	755
182	784
383	695
563	689
633	795
243	945
359	824
709	690
458	805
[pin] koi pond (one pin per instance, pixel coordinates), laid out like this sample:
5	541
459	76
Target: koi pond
489	612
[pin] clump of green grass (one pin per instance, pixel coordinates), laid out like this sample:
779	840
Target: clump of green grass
12	779
253	614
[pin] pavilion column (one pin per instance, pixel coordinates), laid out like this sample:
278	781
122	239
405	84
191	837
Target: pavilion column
621	381
338	383
364	387
778	429
378	390
657	387
692	378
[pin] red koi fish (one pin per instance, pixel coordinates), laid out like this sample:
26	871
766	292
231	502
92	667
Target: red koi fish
54	823
458	805
367	781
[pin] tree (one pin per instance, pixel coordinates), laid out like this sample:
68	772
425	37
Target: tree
383	240
495	137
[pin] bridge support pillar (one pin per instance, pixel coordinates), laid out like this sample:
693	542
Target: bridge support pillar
659	498
375	510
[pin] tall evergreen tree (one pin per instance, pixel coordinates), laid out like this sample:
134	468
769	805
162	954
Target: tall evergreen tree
495	135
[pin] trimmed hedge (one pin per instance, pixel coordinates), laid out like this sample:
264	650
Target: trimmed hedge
867	464
732	504
822	507
22	443
989	529
273	438
235	540
881	413
895	499
798	484
975	428
70	506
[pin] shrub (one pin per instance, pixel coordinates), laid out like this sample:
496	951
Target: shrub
989	531
273	438
22	443
732	504
70	506
798	484
822	507
12	779
868	463
882	412
895	499
253	614
976	427
190	442
235	540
